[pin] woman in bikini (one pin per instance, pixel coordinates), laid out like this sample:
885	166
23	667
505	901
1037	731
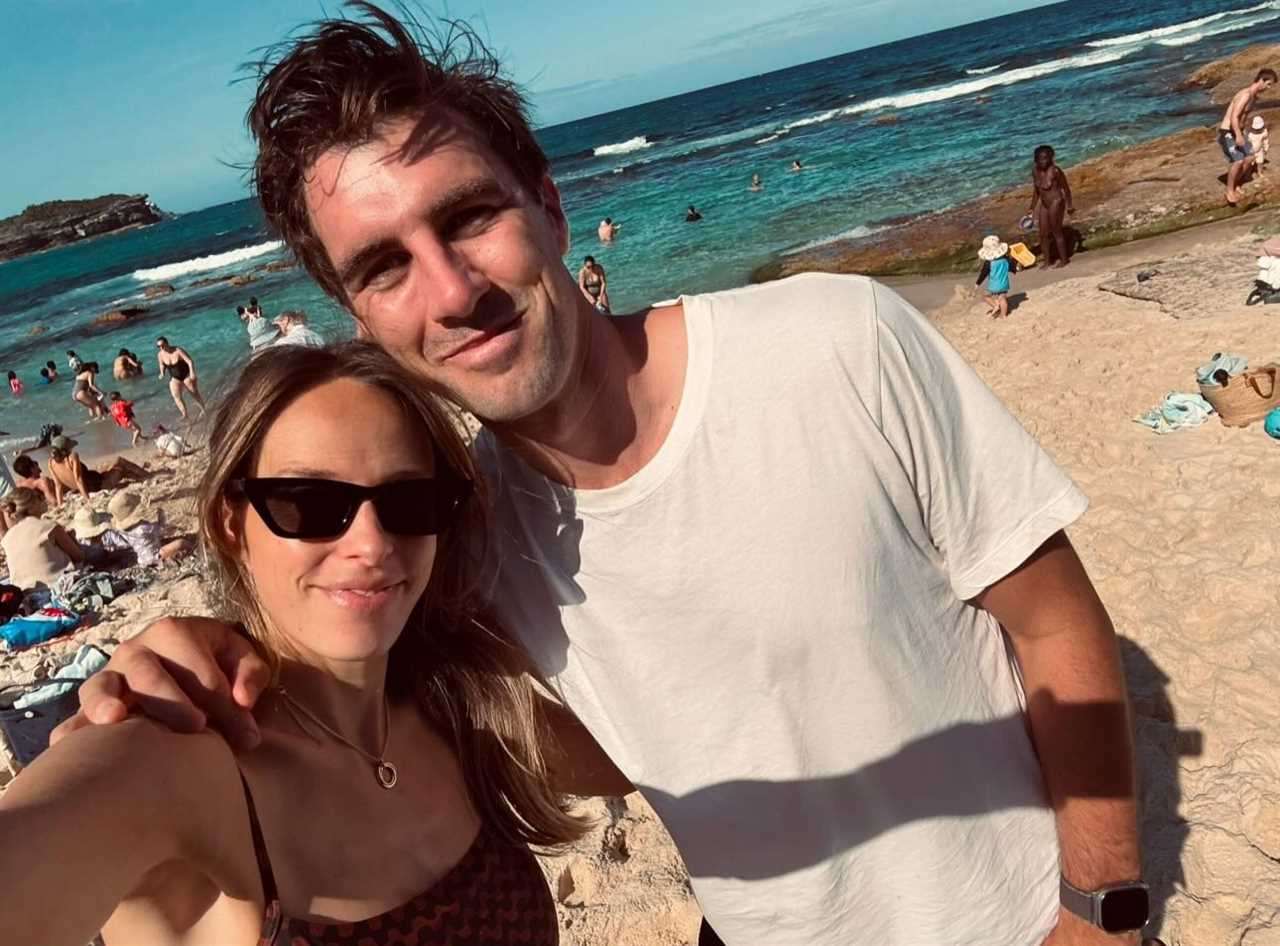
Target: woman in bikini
85	390
594	284
71	473
338	512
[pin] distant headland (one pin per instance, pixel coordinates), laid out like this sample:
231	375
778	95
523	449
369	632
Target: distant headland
59	222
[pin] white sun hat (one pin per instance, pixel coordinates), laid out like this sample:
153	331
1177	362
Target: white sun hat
992	248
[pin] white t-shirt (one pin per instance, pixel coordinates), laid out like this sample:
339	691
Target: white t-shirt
302	335
766	626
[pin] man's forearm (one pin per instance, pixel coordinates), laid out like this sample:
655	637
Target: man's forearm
1081	729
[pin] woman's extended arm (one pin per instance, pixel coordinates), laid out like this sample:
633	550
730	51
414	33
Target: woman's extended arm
77	474
59	537
52	489
87	821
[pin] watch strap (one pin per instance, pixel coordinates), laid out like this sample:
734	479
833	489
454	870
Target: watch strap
1082	903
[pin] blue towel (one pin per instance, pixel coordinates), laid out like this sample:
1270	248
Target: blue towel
45	624
88	661
1231	364
1177	411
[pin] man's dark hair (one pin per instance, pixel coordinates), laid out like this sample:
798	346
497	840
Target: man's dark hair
50	364
253	300
588	259
124	353
1265	75
44	372
340	83
161	340
71	353
25	466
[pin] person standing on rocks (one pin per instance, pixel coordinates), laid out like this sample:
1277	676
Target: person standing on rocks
182	374
863	677
1050	203
1231	135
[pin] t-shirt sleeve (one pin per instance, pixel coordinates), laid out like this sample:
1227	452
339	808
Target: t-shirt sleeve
988	493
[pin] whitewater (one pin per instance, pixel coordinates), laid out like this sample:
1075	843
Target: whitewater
202	264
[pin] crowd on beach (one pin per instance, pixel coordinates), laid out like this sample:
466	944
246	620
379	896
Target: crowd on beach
893	713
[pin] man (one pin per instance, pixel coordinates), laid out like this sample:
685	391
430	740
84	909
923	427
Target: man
182	374
692	215
766	568
607	230
1231	136
30	476
295	331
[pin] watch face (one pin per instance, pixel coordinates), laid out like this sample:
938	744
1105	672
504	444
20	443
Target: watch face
1124	909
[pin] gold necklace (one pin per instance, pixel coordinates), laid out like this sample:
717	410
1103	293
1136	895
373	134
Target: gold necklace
384	770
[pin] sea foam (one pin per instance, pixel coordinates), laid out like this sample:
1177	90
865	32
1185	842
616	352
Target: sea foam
983	71
1167	34
1189	38
638	143
204	263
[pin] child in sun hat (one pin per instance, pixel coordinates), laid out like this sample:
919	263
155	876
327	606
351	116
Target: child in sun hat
122	413
133	529
1260	141
996	267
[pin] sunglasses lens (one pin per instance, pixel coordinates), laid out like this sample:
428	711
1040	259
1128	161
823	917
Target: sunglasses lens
305	509
416	507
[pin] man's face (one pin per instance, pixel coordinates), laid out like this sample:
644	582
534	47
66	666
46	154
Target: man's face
451	266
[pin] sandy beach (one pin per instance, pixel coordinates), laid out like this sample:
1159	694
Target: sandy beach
1180	538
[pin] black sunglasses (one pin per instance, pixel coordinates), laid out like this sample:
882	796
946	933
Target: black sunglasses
306	508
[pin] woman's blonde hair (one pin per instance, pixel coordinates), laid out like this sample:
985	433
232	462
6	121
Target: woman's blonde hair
472	683
22	502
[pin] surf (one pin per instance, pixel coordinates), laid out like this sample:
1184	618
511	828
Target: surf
205	263
638	143
1146	36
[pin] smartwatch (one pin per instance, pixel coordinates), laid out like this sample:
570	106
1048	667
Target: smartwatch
1118	908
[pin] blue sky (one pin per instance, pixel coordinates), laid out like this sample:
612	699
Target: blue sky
137	96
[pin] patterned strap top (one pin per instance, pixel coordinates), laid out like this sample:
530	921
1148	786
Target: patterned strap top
496	895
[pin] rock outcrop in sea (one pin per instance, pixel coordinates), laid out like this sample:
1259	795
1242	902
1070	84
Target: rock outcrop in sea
59	222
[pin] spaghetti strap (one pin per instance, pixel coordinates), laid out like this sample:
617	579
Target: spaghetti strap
269	892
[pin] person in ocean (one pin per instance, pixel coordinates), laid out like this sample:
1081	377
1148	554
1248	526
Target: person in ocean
405	766
182	373
73	361
126	366
44	376
796	165
996	266
756	183
52	369
122	414
85	391
15	383
607	230
691	215
1050	203
1259	142
594	284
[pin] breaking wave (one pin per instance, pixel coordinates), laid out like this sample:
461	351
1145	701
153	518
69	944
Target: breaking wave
983	71
638	143
1146	36
204	263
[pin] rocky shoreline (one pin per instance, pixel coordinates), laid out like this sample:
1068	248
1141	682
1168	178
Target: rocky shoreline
60	222
1144	190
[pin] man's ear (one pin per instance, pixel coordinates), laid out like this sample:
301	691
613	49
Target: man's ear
549	195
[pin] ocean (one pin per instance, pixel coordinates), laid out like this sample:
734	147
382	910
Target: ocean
883	134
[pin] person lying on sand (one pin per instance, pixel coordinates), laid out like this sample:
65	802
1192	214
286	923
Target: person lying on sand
71	473
403	771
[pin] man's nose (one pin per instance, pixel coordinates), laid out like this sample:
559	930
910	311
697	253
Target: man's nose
451	279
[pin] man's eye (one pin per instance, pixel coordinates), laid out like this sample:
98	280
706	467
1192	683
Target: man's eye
385	271
471	218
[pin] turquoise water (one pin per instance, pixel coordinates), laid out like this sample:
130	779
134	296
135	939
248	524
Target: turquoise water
884	134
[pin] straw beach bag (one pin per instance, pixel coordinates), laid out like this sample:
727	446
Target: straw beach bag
1246	397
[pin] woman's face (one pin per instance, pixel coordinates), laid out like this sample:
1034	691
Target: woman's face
347	598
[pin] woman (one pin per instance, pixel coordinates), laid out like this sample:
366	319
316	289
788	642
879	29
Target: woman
594	284
85	390
400	774
66	467
126	366
37	550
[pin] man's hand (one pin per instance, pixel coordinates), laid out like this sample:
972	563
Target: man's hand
1073	931
188	673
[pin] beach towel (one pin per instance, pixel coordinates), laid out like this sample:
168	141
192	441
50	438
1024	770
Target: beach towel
1231	364
1178	411
87	661
43	625
89	590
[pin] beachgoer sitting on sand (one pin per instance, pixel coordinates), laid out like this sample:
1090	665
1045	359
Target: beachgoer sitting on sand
1259	142
995	269
126	366
756	184
37	550
86	391
594	284
1050	203
182	374
132	529
1231	136
295	331
607	230
53	370
28	473
392	693
68	469
691	215
122	414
